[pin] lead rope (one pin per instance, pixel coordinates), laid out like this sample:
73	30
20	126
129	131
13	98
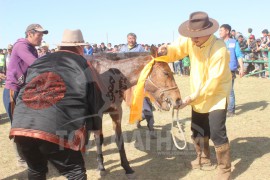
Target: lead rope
179	125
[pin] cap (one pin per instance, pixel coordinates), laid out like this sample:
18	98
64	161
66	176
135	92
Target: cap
36	27
251	37
258	40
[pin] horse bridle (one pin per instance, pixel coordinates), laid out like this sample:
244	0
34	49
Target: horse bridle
162	91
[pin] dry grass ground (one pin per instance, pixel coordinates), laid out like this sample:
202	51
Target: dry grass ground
158	159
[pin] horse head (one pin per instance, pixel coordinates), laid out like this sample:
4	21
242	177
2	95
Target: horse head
162	86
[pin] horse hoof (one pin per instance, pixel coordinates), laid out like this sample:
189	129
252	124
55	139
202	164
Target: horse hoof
132	176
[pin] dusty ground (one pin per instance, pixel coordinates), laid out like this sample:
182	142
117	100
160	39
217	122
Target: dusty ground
158	159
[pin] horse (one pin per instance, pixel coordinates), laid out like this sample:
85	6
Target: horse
119	72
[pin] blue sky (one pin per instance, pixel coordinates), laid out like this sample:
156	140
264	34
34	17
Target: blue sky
154	21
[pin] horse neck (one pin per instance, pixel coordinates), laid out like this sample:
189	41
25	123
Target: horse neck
129	68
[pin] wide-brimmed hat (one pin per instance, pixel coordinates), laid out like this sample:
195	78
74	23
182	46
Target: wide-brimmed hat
198	25
72	38
10	46
36	27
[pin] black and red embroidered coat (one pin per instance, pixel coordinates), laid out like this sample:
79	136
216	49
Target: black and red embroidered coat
60	102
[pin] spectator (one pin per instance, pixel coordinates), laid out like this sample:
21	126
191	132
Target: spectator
178	68
115	49
103	48
2	65
147	48
2	61
88	50
249	34
265	43
53	50
242	43
253	48
23	55
257	55
186	65
147	113
233	34
236	58
132	45
244	47
2	76
265	38
44	48
109	47
249	31
95	49
9	50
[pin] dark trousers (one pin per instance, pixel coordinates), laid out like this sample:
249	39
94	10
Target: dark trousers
147	113
37	153
210	125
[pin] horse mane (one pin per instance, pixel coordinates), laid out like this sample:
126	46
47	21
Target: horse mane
117	56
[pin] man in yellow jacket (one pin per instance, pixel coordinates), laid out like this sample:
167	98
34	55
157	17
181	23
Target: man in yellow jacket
210	84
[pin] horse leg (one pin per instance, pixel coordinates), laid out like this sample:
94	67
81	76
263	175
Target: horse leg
116	117
99	142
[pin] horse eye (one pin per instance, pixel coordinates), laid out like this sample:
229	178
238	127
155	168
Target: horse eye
166	73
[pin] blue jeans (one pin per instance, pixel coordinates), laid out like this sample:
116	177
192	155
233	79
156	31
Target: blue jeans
231	106
9	99
178	67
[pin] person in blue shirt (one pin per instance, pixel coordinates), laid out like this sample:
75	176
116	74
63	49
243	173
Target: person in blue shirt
236	58
132	45
147	113
88	50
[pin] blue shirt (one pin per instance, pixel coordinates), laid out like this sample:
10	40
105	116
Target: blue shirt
136	48
88	51
235	53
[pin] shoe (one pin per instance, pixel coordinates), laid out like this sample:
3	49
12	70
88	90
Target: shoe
138	124
152	134
224	162
203	153
230	114
21	163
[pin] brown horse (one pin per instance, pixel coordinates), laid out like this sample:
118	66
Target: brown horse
120	71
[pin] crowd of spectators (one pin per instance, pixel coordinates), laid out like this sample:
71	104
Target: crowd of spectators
252	48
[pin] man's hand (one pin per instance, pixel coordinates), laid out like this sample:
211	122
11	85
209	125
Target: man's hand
241	72
162	50
2	76
185	102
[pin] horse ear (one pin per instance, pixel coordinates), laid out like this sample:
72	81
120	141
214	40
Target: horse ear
154	50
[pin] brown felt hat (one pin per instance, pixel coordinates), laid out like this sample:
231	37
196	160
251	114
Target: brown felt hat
198	25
